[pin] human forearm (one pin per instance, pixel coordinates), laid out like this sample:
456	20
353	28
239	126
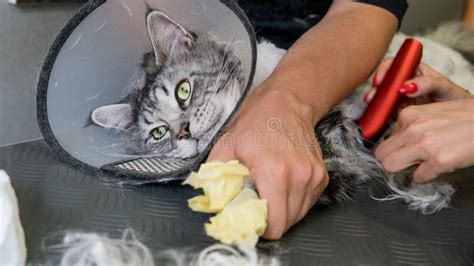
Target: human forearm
469	15
334	57
321	68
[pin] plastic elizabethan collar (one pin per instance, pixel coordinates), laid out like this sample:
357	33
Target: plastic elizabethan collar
90	64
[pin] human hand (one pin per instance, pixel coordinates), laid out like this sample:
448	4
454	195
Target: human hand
428	86
435	138
273	135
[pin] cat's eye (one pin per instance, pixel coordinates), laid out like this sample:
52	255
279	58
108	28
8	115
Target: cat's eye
159	132
183	90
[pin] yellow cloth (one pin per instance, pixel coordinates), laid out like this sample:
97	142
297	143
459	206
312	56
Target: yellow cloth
243	216
221	182
241	222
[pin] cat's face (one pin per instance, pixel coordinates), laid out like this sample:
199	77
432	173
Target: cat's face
190	85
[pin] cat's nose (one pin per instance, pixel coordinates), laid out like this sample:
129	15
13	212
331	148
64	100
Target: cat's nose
184	132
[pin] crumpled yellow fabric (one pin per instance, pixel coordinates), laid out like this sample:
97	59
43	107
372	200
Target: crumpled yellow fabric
242	216
241	222
221	182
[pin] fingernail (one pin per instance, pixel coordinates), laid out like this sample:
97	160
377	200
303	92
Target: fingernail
366	96
369	95
374	80
409	88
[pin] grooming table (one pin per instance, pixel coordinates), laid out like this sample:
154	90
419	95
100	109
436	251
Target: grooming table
54	197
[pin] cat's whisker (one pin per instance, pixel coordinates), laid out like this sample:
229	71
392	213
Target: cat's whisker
219	78
216	85
224	64
227	50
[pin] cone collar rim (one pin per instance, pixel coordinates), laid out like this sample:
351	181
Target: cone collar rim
108	171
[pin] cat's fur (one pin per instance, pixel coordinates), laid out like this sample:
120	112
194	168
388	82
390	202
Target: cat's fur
217	80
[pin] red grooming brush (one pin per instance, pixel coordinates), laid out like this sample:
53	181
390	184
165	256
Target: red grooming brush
384	105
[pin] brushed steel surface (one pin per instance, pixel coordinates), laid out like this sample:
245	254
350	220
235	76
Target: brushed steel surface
54	197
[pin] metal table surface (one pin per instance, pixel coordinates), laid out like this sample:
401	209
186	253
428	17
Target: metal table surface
54	197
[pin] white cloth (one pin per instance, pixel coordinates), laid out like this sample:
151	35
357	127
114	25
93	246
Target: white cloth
12	238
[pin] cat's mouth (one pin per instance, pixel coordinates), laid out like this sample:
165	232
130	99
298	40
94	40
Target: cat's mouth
207	136
189	154
211	130
187	149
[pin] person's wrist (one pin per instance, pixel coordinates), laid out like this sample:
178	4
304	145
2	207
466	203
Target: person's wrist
287	101
283	90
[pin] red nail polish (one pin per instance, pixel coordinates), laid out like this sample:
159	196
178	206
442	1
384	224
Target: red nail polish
409	88
366	96
374	79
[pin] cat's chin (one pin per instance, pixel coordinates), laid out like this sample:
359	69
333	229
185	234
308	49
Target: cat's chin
187	150
183	155
186	157
205	139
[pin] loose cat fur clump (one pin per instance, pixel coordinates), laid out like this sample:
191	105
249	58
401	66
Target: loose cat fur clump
187	87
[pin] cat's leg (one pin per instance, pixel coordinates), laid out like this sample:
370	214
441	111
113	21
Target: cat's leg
350	165
348	162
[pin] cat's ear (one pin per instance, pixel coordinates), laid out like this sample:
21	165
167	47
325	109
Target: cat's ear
117	116
169	39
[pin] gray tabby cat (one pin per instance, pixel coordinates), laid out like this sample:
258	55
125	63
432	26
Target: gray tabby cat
187	87
190	84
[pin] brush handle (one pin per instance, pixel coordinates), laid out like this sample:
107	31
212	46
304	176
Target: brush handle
387	99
